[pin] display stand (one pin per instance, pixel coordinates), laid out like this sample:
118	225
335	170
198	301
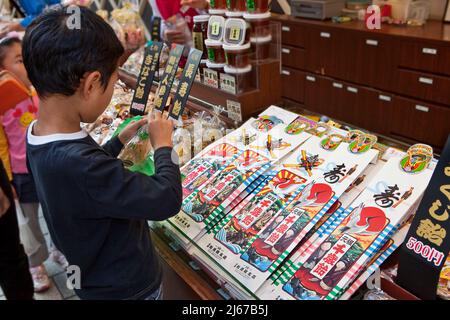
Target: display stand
251	102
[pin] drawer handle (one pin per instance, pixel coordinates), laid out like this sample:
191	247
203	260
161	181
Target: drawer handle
325	35
384	98
286	50
312	79
285	29
426	80
337	85
351	89
285	72
372	42
429	51
422	108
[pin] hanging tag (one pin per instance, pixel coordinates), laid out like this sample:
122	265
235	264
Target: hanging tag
166	81
145	79
185	85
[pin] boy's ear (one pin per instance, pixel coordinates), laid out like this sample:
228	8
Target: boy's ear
90	83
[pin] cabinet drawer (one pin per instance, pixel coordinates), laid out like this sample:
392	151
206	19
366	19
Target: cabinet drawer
292	57
425	56
292	34
421	122
424	86
293	84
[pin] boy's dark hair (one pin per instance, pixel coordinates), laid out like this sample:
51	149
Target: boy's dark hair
57	57
6	43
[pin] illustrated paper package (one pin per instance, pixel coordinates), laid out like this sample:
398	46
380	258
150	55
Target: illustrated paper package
272	117
388	248
278	236
328	265
257	251
350	194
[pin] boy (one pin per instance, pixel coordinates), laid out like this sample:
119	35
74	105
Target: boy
95	209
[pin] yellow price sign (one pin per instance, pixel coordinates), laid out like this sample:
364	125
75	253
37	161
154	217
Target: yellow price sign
235	33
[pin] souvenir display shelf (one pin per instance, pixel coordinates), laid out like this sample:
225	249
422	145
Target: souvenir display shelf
190	269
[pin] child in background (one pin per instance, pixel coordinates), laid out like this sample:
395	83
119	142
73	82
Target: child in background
15	122
95	209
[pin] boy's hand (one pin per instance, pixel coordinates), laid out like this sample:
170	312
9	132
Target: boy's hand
130	130
160	131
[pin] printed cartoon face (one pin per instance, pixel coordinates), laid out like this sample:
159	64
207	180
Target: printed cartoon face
266	123
297	126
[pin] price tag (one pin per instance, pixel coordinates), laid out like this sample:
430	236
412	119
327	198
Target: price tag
228	83
211	78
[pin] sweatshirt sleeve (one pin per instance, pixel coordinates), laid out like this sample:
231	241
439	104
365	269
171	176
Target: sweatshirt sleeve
119	193
113	146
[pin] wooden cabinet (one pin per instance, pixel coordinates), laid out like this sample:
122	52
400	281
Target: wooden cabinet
373	60
423	122
292	33
423	85
293	57
376	110
394	81
293	84
425	56
321	54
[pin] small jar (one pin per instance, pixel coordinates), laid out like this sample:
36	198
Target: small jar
216	26
258	6
200	33
236	5
261	47
237	56
216	53
260	24
201	66
237	32
218	4
243	77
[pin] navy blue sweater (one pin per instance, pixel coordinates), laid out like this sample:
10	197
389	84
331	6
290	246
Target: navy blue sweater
97	211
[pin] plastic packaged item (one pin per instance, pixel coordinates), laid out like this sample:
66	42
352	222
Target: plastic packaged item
261	47
216	53
178	23
237	56
216	26
377	294
103	13
236	5
126	20
260	24
258	6
200	33
237	32
182	145
400	9
242	76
